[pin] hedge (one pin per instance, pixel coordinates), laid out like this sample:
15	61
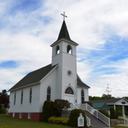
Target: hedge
58	120
73	117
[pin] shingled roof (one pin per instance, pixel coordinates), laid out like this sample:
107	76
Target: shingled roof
33	77
64	32
80	83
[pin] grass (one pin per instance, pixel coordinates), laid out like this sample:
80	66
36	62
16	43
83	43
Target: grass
8	122
120	127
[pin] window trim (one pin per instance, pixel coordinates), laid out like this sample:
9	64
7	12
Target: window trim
57	49
82	96
29	115
22	97
69	90
69	49
49	93
15	98
30	95
20	115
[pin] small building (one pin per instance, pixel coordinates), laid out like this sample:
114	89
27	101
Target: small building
114	102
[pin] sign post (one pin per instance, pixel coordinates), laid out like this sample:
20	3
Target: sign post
80	121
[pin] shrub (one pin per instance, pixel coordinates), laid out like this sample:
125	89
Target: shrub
104	112
54	108
113	114
60	105
3	110
58	120
73	117
48	110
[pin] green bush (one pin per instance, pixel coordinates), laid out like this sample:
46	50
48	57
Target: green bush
104	112
58	120
60	105
54	108
73	117
48	111
113	114
3	110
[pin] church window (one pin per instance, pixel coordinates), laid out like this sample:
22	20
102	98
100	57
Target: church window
48	93
82	96
69	49
14	98
69	91
30	95
20	115
29	115
13	115
22	97
57	50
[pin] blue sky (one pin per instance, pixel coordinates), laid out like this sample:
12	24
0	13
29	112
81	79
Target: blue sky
28	27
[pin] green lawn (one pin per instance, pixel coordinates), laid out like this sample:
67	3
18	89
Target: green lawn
120	127
8	122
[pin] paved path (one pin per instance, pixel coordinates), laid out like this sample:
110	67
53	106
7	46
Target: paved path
96	123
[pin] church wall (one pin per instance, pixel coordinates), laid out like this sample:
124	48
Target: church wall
69	64
86	98
25	106
49	81
66	62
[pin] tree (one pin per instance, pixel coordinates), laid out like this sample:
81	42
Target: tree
106	96
94	98
4	100
60	105
48	110
55	108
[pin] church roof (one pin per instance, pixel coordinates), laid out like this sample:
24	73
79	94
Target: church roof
64	35
33	77
80	83
64	32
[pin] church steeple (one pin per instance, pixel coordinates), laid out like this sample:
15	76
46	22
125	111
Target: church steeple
64	32
64	35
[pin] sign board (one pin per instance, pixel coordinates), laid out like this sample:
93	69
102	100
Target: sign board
80	121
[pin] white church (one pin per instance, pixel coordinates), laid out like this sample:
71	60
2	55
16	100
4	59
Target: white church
58	80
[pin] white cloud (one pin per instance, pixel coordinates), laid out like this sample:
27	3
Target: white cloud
118	84
26	38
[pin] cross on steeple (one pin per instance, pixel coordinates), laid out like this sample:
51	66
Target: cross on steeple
63	14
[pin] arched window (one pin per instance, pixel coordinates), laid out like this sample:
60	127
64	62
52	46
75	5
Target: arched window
57	50
69	49
30	96
22	97
48	93
82	96
14	98
69	91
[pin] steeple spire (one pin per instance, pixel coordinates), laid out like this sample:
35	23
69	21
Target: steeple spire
64	32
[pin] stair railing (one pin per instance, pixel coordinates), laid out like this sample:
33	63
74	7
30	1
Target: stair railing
74	106
97	114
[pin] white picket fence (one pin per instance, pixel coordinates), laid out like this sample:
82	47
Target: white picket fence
97	114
